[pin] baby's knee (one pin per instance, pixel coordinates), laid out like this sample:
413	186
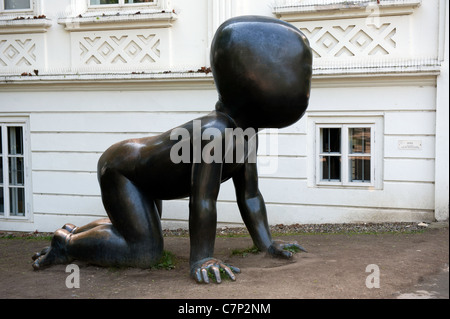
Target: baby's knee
118	159
102	166
106	169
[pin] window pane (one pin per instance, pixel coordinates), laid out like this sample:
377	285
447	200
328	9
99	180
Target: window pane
331	168
17	4
1	170
17	201
359	140
2	202
16	171
137	1
15	146
331	140
360	169
98	2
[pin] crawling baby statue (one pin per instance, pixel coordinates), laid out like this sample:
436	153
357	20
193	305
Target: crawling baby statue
262	70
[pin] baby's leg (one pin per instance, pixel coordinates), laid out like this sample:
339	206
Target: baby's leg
135	215
96	245
55	254
71	228
133	238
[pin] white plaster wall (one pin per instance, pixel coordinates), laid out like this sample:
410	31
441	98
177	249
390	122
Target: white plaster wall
73	119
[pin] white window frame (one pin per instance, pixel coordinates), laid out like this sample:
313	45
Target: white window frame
84	17
23	123
123	6
344	155
32	10
375	123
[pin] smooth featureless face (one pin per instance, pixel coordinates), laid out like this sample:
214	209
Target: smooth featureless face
262	68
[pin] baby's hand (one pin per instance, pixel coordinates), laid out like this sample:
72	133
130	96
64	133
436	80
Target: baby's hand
284	249
202	268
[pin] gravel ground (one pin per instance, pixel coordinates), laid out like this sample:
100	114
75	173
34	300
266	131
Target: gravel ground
280	229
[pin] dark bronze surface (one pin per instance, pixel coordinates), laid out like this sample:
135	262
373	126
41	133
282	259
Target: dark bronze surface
262	69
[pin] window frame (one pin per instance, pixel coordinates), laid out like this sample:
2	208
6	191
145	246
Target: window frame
360	154
320	153
4	124
344	154
31	10
375	123
123	6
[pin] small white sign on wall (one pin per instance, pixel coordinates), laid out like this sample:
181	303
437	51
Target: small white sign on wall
410	145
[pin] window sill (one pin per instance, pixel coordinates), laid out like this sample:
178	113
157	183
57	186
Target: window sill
318	10
14	219
24	24
356	186
111	20
96	81
412	71
371	67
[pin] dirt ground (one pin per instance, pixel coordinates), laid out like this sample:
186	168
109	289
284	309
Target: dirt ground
409	266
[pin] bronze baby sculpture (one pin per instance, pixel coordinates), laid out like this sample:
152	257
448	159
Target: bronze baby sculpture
262	70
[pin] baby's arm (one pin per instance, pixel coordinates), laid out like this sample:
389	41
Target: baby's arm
206	179
202	209
253	211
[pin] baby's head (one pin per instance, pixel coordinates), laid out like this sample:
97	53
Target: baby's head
262	69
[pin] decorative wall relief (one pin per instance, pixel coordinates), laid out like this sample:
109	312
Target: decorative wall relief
17	52
111	50
346	39
123	49
21	53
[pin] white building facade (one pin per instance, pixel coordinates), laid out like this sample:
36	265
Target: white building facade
76	76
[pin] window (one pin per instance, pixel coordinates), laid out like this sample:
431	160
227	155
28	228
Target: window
346	154
330	155
21	8
118	7
117	2
13	179
16	5
21	17
93	15
359	154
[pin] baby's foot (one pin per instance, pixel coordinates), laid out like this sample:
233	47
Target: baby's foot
55	254
41	253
